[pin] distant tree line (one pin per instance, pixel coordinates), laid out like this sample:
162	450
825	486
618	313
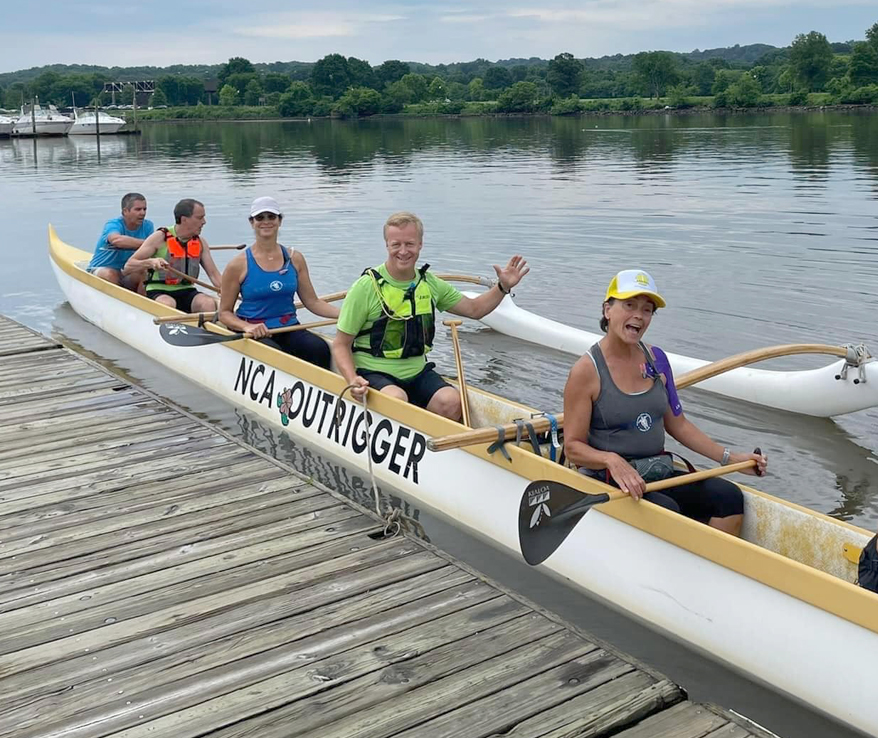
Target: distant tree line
348	87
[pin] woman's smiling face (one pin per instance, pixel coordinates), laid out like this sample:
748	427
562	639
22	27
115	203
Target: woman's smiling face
629	318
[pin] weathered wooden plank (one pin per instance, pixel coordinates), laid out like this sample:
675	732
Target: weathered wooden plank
213	713
53	404
109	544
158	552
732	730
96	401
419	625
131	580
37	428
194	580
57	545
495	692
39	519
124	645
158	451
24	346
47	370
48	383
15	659
601	711
349	693
170	435
73	437
175	463
684	720
53	393
164	486
220	639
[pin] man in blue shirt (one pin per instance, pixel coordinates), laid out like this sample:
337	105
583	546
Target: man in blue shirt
120	238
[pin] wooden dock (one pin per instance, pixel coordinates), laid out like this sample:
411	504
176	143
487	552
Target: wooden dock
158	578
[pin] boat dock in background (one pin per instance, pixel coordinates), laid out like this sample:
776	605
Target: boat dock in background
159	578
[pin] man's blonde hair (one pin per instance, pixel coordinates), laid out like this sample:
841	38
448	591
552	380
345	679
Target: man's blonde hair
402	219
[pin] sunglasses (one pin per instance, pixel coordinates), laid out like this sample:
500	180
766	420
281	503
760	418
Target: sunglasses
265	216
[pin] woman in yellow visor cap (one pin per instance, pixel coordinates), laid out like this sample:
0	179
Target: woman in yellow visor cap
619	401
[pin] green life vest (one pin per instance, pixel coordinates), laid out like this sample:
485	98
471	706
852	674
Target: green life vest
408	322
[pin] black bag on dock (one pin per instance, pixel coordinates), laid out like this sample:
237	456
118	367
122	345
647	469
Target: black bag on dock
868	571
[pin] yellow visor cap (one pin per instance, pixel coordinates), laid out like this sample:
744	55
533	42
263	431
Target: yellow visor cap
632	282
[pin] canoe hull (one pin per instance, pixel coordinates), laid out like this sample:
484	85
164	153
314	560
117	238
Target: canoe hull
694	591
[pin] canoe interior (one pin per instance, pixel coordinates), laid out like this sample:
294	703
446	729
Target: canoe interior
795	532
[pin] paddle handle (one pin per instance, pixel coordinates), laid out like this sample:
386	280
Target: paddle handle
301	326
237	247
461	381
185	276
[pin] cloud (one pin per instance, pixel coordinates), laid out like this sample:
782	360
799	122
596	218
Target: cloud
463	18
311	25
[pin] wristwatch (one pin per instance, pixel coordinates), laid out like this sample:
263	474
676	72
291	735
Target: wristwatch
726	454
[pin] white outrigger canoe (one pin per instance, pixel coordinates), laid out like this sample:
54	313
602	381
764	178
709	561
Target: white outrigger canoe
778	604
844	386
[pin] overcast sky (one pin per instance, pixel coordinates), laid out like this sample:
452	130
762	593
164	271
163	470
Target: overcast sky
163	32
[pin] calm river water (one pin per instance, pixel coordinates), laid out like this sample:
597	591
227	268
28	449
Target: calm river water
759	230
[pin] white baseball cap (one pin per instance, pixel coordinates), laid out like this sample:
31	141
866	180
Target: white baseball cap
265	205
631	282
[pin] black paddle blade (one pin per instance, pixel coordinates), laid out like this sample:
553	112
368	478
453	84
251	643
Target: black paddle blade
547	513
181	334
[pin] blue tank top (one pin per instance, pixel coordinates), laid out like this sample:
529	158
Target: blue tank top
268	297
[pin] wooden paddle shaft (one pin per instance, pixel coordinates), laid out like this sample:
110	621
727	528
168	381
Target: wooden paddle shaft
541	425
699	475
212	318
302	326
185	276
464	397
189	318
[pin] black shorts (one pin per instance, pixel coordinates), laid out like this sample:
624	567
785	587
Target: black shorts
709	498
420	389
184	298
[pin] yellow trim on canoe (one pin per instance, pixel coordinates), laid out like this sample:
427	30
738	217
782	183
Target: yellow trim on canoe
805	583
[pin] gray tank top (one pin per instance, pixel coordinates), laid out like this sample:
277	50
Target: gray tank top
630	425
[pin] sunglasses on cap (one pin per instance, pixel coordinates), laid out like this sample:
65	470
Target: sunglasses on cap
266	216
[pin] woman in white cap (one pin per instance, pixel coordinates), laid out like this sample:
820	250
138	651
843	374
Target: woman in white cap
620	400
268	276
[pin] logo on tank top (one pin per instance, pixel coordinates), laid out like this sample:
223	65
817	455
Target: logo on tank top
643	422
276	286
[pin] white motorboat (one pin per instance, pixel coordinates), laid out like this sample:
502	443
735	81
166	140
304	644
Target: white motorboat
778	603
89	124
6	126
38	121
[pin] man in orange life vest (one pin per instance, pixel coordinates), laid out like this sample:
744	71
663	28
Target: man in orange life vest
182	248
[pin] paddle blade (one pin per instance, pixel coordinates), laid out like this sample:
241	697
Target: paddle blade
180	334
547	513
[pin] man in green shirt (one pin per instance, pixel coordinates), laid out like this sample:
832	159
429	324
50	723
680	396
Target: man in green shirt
387	321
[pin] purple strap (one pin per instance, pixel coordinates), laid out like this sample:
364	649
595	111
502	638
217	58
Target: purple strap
663	366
